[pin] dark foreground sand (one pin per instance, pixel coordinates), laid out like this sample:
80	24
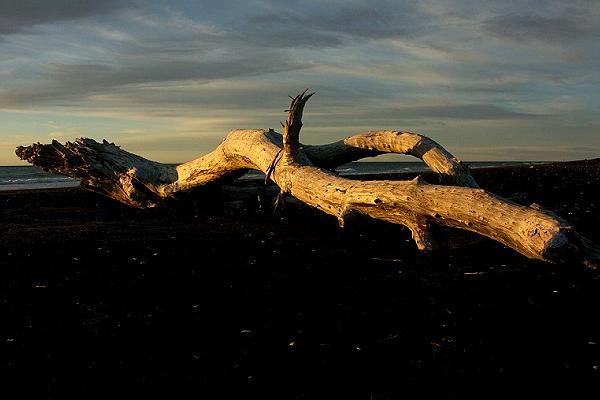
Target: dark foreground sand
101	301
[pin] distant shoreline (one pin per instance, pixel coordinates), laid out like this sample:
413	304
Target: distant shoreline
31	177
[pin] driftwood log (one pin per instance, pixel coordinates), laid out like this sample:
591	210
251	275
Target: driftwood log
304	172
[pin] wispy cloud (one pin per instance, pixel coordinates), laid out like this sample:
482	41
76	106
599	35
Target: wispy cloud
537	28
463	68
16	16
67	83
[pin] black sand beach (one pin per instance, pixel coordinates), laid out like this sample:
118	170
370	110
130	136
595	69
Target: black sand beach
224	300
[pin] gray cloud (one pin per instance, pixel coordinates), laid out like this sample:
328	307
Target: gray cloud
383	116
16	15
64	83
531	27
464	111
160	71
329	27
431	65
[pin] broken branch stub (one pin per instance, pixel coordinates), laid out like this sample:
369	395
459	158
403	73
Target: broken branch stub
293	125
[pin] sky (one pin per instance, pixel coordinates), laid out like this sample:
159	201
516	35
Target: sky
489	80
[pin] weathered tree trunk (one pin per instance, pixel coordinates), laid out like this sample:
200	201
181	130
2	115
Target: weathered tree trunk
299	171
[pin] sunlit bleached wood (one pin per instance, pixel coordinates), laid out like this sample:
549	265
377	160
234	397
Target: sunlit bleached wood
300	171
449	169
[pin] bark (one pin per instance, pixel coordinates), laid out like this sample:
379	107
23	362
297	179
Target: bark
449	169
300	172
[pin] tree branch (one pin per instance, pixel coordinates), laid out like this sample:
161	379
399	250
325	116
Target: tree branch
137	181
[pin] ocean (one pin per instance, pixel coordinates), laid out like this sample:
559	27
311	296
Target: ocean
30	177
